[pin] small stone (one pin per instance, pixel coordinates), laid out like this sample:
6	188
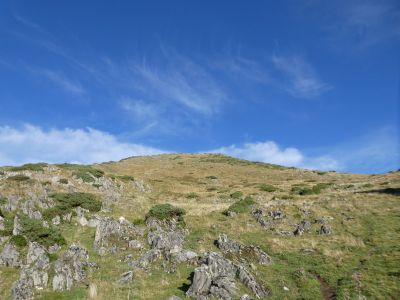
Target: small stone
135	244
286	289
56	220
126	277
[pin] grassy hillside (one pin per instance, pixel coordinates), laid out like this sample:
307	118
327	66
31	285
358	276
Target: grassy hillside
359	259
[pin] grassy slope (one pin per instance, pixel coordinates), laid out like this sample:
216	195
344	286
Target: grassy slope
361	257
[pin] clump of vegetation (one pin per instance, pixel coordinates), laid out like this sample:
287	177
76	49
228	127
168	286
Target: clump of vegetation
166	211
211	189
1	173
34	231
19	240
192	195
19	178
3	200
267	188
63	181
67	201
368	185
29	167
212	177
315	190
8	224
84	172
236	195
320	172
241	206
126	178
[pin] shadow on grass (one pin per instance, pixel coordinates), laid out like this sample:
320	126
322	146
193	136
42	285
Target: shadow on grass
185	286
390	191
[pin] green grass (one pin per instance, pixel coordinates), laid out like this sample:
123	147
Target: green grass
126	178
34	231
30	167
84	172
314	190
236	195
19	178
242	206
192	195
19	240
267	188
165	211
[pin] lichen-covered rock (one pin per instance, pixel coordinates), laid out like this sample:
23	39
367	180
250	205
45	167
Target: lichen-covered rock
146	259
167	241
243	252
110	231
258	214
245	297
80	216
216	277
174	298
10	256
69	269
135	244
56	220
185	256
22	290
17	226
325	229
126	277
276	214
302	227
29	209
1	223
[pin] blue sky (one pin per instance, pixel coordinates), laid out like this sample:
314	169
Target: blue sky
309	84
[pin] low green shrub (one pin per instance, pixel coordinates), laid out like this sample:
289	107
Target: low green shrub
212	177
315	190
267	188
211	189
19	178
192	195
3	200
29	167
65	202
34	231
165	211
8	224
18	240
241	206
84	172
126	178
63	181
236	195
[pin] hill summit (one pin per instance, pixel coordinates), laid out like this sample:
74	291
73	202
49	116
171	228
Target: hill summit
197	226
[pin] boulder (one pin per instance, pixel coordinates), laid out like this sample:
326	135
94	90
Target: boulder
1	223
80	216
21	290
325	229
69	269
126	277
135	244
17	226
10	256
243	252
302	227
56	220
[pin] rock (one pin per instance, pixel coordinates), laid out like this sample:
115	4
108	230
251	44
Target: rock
29	209
231	213
286	289
35	251
80	216
67	217
10	256
55	248
325	229
45	224
1	223
246	252
109	232
302	227
249	281
146	258
276	214
174	298
56	220
245	297
167	241
216	277
69	269
126	277
94	221
141	186
185	255
21	290
135	244
17	226
258	214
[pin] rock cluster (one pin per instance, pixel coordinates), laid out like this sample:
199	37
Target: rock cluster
69	269
216	277
243	252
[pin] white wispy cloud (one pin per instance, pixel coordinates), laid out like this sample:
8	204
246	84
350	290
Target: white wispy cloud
270	152
302	81
140	109
33	144
376	151
59	80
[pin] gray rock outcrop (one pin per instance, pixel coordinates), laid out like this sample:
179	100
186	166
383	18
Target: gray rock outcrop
10	256
69	269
